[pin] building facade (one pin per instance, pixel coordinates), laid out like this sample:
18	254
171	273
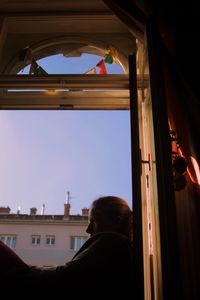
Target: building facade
44	240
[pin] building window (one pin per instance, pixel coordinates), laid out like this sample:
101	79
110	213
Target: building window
76	242
50	240
9	240
35	239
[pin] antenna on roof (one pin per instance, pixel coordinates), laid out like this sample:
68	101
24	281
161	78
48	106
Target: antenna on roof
68	197
18	210
42	209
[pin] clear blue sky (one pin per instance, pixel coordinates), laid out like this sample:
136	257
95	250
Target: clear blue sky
44	154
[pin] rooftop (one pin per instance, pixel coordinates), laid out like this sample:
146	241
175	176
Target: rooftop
42	217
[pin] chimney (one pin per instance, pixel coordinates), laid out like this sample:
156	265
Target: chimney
33	211
66	210
4	210
85	212
67	206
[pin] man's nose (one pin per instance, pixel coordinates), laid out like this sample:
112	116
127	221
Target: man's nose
90	229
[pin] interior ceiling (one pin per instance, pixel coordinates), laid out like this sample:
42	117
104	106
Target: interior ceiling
19	6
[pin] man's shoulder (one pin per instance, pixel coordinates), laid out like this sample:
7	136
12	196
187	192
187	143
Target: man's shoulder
109	237
106	242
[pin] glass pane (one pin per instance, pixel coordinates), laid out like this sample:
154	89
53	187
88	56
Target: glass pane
2	238
14	240
72	243
8	241
79	243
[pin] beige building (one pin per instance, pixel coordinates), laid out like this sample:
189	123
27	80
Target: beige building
44	240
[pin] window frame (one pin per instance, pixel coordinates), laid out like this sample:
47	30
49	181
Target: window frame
75	239
13	240
52	240
36	237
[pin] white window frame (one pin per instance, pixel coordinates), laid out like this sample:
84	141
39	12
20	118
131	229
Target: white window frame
35	240
78	242
52	240
9	240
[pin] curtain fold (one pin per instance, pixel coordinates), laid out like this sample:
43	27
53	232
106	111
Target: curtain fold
183	121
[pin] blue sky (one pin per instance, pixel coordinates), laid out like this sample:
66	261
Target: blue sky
44	154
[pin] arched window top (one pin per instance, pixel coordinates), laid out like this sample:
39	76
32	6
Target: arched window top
81	64
76	48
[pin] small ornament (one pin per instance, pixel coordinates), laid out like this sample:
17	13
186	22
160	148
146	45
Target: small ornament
111	55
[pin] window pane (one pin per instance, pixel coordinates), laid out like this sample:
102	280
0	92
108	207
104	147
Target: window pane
72	243
14	240
8	241
2	238
79	244
95	127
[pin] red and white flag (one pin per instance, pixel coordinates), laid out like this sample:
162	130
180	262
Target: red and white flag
102	67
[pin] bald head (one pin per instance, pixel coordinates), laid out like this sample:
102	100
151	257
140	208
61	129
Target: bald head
110	213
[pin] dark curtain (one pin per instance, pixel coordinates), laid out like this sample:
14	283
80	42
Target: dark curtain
178	26
183	109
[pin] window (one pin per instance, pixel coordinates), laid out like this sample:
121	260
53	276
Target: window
9	240
76	242
35	239
50	240
63	138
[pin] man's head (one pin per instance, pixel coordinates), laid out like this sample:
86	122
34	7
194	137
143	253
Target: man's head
110	213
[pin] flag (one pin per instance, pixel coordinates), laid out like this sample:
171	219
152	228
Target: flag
102	67
33	66
36	69
40	71
91	71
